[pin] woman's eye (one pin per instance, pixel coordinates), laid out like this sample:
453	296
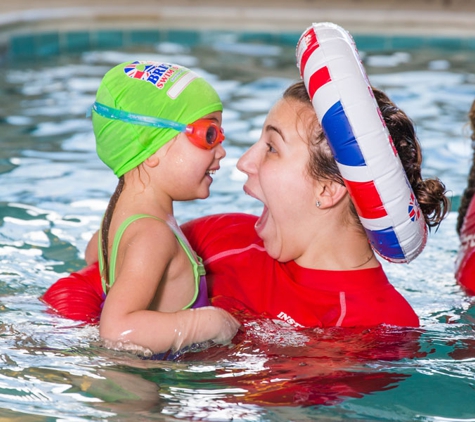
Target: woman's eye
270	148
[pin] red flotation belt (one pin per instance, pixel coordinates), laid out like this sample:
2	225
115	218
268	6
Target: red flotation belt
79	296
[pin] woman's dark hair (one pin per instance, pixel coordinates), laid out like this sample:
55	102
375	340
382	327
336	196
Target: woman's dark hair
430	193
467	194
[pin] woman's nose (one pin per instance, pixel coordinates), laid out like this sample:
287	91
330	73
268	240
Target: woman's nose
247	162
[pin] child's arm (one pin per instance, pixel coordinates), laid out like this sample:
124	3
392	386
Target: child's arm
163	331
91	254
147	250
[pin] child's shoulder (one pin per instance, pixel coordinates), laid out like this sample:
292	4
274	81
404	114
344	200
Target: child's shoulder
147	232
141	222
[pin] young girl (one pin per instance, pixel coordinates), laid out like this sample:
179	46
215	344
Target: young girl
158	127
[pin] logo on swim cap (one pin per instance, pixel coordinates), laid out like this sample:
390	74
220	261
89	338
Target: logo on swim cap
155	73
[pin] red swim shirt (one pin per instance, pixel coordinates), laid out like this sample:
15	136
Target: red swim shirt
239	269
465	263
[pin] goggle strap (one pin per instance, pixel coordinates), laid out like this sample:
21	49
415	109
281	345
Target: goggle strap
136	119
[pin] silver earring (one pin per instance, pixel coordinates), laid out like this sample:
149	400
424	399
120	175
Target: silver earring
318	203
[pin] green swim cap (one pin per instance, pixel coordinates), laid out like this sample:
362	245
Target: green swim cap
163	90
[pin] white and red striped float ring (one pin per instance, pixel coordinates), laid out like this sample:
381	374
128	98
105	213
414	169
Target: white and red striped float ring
361	144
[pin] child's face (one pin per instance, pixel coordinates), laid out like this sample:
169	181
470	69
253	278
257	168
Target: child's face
187	169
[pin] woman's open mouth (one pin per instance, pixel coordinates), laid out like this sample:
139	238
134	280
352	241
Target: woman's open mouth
261	222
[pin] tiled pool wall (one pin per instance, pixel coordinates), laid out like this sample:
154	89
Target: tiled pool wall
52	43
37	45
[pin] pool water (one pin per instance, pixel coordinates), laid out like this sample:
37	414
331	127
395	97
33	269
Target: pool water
54	189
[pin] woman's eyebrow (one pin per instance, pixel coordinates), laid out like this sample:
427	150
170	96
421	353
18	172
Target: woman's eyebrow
271	128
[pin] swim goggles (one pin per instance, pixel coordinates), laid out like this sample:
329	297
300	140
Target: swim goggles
203	133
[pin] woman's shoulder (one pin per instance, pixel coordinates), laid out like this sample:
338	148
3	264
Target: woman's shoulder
220	232
230	220
218	225
339	280
365	296
379	302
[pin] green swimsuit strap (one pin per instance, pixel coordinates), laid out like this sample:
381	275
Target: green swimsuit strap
198	268
196	263
106	286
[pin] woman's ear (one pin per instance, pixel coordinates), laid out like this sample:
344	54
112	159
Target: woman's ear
330	193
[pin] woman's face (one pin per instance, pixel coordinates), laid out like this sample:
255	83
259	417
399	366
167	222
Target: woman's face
276	167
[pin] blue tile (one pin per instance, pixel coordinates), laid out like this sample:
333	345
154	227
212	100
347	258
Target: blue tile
144	37
108	39
371	42
468	43
22	46
189	38
54	43
47	44
288	38
407	43
445	43
77	41
260	37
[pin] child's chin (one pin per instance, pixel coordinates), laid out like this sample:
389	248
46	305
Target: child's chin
202	195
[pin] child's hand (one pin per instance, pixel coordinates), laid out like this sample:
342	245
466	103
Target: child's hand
222	322
202	324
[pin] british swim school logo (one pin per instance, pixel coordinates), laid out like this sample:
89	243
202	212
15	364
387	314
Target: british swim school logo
156	73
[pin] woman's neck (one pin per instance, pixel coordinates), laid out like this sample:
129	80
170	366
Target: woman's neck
338	247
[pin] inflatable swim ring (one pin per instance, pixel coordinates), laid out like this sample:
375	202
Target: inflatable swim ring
79	296
465	262
343	100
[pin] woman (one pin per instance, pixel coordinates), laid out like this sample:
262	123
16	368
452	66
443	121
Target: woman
307	260
470	189
465	265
